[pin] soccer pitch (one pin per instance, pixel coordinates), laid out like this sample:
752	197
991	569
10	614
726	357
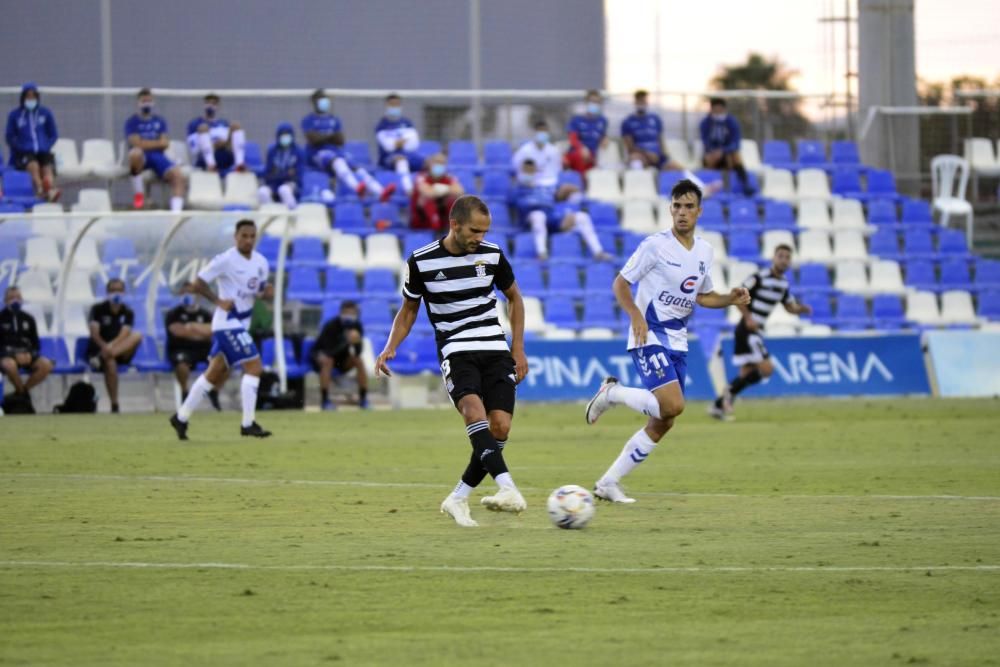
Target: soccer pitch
806	533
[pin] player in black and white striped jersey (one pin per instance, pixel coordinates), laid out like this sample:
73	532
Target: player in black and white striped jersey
456	277
767	289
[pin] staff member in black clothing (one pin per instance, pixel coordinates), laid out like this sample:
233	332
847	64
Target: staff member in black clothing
19	347
189	340
767	289
112	340
339	346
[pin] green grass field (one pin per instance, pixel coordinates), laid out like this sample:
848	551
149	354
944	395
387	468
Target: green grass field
806	533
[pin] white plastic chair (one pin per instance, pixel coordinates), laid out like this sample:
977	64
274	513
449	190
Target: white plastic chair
42	253
849	244
750	154
534	318
813	184
887	278
596	333
93	200
779	184
718	244
38	312
312	219
637	216
78	287
241	189
277	226
177	152
814	246
740	271
772	238
814	214
68	165
345	250
603	185
949	179
851	276
956	308
922	308
383	252
36	287
679	151
98	158
640	185
848	214
719	283
86	257
205	191
54	227
610	156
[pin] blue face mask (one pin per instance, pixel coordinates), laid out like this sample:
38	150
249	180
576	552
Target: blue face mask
323	104
209	111
14	305
187	300
437	170
116	298
393	112
146	109
593	108
30	105
542	137
285	140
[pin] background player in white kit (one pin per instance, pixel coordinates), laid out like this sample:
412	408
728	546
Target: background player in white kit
672	270
242	275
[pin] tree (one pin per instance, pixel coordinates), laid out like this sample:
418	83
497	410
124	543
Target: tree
944	134
766	119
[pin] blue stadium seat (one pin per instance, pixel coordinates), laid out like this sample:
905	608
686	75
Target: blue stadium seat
955	274
385	214
467	177
567	177
845	153
416	354
360	155
313	184
882	212
428	147
736	187
462	154
918	244
887	311
500	237
268	246
139	286
989	305
710	176
743	212
884	243
529	278
376	316
17	188
846	182
852	312
55	349
566	248
920	274
308	251
304	285
630	243
349	215
744	245
399	197
811	153
561	311
14	231
148	358
599	311
380	283
497	154
778	154
155	329
414	240
882	184
500	217
254	160
524	246
564	281
118	248
609	241
603	214
779	215
496	184
598	277
917	213
814	279
987	274
331	308
952	243
9	250
712	216
667	180
341	283
822	313
292	367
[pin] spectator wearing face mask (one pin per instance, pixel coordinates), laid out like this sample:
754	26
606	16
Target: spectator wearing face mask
325	151
20	348
398	141
215	143
587	134
283	170
544	205
189	340
339	347
31	134
720	135
112	340
434	192
146	134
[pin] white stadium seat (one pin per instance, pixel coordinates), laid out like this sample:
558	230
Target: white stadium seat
93	200
814	246
849	244
718	244
887	278
75	317
596	333
922	308
383	252
982	159
956	308
603	185
679	151
241	189
638	216
54	227
609	156
86	257
205	191
814	214
36	310
98	158
719	283
640	185
813	184
740	271
779	184
78	288
275	227
534	319
177	152
36	287
68	167
750	153
42	253
345	250
772	238
312	219
816	330
848	214
851	276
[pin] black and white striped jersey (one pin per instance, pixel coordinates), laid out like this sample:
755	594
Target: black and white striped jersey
766	291
458	293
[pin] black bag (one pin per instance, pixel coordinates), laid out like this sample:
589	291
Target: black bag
18	404
269	396
81	398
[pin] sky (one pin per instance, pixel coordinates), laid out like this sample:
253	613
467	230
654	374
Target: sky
952	37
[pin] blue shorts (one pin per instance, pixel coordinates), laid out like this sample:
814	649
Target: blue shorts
158	162
658	366
415	159
323	159
224	159
235	344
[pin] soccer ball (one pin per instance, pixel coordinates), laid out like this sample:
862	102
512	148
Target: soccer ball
571	506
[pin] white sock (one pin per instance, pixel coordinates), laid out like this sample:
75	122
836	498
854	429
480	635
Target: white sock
206	149
176	204
327	196
690	175
636	450
640	400
403	169
199	390
636	164
540	231
585	225
137	185
238	139
264	195
248	392
575	197
370	182
287	195
461	491
505	481
344	173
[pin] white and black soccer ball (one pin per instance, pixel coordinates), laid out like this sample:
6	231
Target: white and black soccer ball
571	506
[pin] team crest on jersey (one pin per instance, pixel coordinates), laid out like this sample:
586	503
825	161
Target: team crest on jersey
480	269
688	284
252	283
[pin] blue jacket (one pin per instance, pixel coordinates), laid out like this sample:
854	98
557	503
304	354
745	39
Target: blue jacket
720	134
32	131
284	165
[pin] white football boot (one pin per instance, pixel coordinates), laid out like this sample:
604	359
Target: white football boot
458	509
600	403
507	499
611	492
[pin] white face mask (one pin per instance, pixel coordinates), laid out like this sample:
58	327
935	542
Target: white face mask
30	105
720	116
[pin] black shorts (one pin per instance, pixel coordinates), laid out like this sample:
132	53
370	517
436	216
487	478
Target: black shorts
96	361
748	346
21	160
12	352
489	375
189	355
343	362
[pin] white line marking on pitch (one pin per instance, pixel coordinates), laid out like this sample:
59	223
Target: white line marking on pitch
526	570
420	485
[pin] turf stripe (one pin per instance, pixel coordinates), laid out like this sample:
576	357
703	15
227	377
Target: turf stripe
473	569
420	485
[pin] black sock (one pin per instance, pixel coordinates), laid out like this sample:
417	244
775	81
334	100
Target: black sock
485	448
362	393
474	472
741	173
740	383
324	394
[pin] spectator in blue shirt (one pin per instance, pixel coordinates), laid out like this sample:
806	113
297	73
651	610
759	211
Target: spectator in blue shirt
214	142
398	141
642	134
283	170
31	134
146	134
587	133
720	135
